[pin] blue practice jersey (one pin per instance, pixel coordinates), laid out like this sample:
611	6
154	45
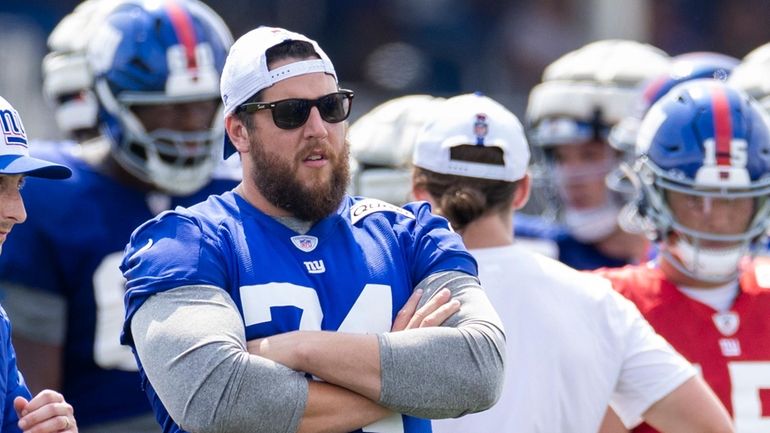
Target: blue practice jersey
11	381
570	251
71	246
352	272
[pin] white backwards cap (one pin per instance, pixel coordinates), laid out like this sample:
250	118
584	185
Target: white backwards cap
246	72
473	119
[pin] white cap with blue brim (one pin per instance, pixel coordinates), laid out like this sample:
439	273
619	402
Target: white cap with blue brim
14	149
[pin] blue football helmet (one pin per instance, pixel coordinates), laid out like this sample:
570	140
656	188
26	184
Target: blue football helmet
708	140
158	53
684	67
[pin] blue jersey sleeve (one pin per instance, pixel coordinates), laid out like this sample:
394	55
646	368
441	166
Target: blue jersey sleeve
170	251
432	245
12	382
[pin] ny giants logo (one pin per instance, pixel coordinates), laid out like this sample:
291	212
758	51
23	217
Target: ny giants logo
315	266
13	130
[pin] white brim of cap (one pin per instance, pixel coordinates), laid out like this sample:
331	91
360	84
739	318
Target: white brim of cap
435	157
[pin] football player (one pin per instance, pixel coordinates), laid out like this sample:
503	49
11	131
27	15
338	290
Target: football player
703	179
249	297
156	68
568	118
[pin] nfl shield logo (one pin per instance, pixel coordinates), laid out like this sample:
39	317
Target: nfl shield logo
727	322
304	242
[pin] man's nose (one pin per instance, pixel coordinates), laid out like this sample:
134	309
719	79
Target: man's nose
315	125
13	207
723	219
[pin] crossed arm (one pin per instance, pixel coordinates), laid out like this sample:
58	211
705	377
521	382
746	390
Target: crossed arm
324	400
354	363
193	362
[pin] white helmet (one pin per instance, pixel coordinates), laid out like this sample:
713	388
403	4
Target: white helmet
67	77
381	144
600	79
752	75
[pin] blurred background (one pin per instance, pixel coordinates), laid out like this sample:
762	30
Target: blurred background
386	48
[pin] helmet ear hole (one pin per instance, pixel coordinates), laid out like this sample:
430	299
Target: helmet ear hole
140	65
137	150
158	25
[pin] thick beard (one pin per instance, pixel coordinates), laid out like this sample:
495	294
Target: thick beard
276	181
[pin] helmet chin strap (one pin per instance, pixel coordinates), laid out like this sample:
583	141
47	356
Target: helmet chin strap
713	265
592	225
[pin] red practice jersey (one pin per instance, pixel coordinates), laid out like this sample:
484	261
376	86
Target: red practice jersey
730	348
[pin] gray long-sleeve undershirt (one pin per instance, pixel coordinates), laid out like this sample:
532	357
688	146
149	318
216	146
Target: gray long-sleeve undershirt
192	345
458	368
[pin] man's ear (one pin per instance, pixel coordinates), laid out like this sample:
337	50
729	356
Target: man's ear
521	195
421	194
238	133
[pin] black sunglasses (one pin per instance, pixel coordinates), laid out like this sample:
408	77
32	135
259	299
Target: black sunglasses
293	113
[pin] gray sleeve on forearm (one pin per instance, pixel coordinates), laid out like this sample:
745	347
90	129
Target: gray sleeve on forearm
451	370
192	345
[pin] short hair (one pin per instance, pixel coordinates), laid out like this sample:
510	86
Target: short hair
284	50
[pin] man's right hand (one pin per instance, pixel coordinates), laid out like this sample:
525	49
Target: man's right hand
433	313
47	412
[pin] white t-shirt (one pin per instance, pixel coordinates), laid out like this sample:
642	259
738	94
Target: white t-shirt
573	345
